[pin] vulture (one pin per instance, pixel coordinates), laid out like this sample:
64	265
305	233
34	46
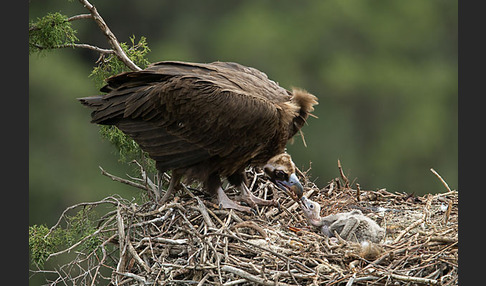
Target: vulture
353	225
208	122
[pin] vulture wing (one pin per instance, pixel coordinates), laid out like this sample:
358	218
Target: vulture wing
184	113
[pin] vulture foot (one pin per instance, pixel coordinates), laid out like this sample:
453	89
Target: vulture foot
253	200
227	203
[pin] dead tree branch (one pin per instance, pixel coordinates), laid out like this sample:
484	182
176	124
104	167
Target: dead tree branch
110	36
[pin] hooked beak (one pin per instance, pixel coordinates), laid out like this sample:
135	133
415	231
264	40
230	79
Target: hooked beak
293	186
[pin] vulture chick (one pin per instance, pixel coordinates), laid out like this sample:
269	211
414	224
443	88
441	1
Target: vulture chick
353	225
207	121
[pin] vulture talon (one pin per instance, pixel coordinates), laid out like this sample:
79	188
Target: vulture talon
252	200
227	203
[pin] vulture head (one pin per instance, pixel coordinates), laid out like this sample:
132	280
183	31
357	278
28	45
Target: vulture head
312	211
281	171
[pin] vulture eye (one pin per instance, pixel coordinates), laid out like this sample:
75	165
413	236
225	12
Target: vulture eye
281	175
311	206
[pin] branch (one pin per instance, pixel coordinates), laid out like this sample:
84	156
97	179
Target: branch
78	17
406	278
105	200
81	240
70	19
83	46
346	181
248	276
124	181
110	36
440	178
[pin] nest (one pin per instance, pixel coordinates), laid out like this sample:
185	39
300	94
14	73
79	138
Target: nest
190	241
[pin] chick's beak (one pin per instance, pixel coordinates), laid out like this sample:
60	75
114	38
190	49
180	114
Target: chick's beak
303	202
293	185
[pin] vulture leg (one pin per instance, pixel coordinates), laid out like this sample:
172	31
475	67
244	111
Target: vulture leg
239	179
227	203
175	179
251	199
213	185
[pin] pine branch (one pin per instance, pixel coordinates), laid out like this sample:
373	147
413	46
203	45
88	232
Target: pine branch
78	17
83	46
110	36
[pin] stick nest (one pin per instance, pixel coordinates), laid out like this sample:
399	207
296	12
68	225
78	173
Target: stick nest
190	241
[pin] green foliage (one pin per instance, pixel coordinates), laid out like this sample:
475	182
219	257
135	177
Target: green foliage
55	31
50	32
80	225
77	227
110	65
128	149
41	246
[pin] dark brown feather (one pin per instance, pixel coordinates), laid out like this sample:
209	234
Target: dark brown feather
220	117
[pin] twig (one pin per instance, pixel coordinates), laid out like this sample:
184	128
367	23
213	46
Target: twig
78	17
165	240
121	241
440	178
134	276
82	46
75	206
146	179
137	258
201	283
248	276
351	280
103	258
204	212
124	181
235	282
81	240
406	278
110	36
250	224
70	19
448	212
346	181
403	232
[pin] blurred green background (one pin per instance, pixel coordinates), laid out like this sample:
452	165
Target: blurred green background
385	73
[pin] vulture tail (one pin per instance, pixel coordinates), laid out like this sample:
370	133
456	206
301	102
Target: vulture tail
103	112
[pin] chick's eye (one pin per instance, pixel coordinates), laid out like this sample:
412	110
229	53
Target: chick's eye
281	175
311	207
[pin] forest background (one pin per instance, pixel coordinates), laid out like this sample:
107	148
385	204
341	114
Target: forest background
385	73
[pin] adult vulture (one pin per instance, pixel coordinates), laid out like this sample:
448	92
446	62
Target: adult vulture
207	121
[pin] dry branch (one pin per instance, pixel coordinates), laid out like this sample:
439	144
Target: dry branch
110	36
440	178
248	276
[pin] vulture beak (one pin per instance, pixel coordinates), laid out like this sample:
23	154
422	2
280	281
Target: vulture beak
281	171
292	186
